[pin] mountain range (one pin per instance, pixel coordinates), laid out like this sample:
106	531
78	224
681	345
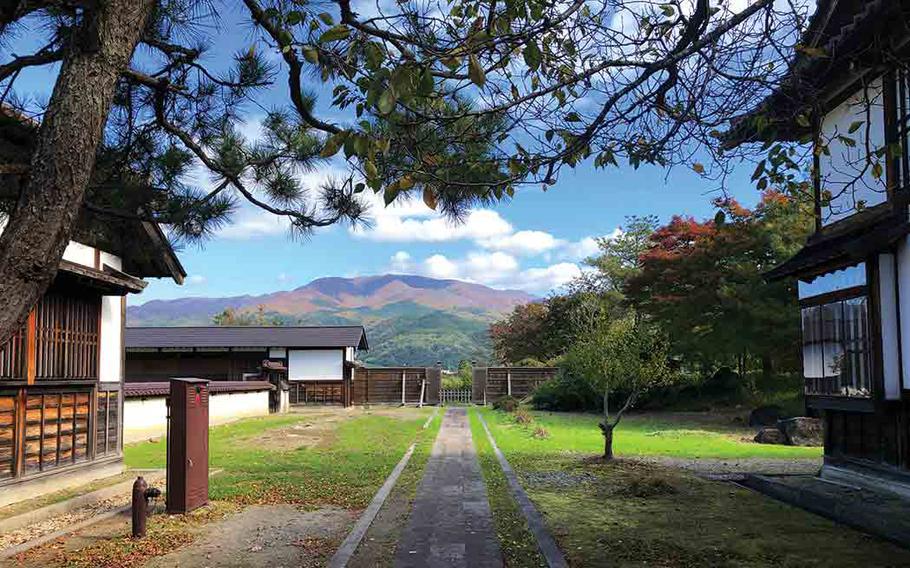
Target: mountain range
410	320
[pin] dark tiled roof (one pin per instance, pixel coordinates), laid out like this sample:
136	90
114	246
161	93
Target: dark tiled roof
841	30
137	390
247	336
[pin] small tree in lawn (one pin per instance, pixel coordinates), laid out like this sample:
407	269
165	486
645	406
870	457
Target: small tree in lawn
622	358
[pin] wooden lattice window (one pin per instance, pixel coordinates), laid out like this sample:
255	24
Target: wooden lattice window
106	424
66	337
7	435
12	357
56	429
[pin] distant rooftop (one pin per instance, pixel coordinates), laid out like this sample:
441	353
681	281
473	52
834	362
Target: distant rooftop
247	336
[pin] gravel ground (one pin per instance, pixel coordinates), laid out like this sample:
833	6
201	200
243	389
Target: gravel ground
59	522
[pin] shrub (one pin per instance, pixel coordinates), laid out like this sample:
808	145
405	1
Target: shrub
522	416
566	393
541	433
507	404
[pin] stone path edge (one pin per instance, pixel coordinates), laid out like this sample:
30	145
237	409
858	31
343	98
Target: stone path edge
347	549
545	542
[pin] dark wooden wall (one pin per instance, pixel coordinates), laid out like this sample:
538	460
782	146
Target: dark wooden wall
215	366
880	438
492	383
383	385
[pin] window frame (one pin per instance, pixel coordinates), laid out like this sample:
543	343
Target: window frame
870	348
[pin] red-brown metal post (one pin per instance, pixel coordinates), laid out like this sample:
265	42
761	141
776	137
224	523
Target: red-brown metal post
139	507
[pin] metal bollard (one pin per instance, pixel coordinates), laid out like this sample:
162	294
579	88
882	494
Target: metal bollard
139	507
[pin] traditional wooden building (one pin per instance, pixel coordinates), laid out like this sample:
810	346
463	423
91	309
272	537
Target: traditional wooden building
317	361
61	374
848	93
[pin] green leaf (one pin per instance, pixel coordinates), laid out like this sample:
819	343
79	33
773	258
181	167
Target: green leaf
854	126
877	170
532	56
326	18
475	72
369	168
387	101
336	33
803	121
333	144
427	84
295	17
311	54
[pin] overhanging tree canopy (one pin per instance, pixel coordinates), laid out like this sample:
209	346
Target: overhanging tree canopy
459	103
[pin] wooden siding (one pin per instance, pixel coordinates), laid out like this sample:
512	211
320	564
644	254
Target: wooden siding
107	423
383	385
67	331
56	429
214	366
7	435
317	392
880	438
496	382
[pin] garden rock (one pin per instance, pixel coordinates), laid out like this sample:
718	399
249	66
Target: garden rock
770	435
767	415
802	431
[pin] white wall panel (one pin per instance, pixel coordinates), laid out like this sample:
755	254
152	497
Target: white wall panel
315	364
845	171
111	361
891	365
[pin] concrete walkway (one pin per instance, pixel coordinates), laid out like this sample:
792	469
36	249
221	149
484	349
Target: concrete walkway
451	524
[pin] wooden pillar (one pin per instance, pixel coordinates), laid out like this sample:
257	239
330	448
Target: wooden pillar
509	382
423	386
403	376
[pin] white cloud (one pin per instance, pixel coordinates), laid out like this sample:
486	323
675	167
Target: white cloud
284	278
411	221
495	269
196	280
401	262
523	242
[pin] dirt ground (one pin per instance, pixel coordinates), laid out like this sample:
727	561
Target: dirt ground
265	535
320	425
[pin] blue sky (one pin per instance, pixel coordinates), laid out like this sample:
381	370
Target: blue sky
534	242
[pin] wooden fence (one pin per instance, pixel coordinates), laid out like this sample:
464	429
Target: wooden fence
396	385
455	396
492	383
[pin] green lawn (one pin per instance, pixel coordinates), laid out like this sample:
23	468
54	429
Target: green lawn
341	460
627	513
642	435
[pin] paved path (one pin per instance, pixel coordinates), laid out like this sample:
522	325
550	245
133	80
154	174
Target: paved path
451	524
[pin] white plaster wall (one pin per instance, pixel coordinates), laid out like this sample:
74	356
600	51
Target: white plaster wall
903	302
111	370
845	171
891	365
111	260
145	418
278	352
80	254
315	364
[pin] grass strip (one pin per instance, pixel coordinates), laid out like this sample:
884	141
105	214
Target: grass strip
518	545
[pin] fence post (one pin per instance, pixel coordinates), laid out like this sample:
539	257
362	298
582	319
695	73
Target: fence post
403	375
434	383
423	386
479	385
509	382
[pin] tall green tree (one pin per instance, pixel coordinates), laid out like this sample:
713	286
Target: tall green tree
621	358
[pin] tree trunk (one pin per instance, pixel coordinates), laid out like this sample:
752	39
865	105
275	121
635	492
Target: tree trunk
608	441
39	229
